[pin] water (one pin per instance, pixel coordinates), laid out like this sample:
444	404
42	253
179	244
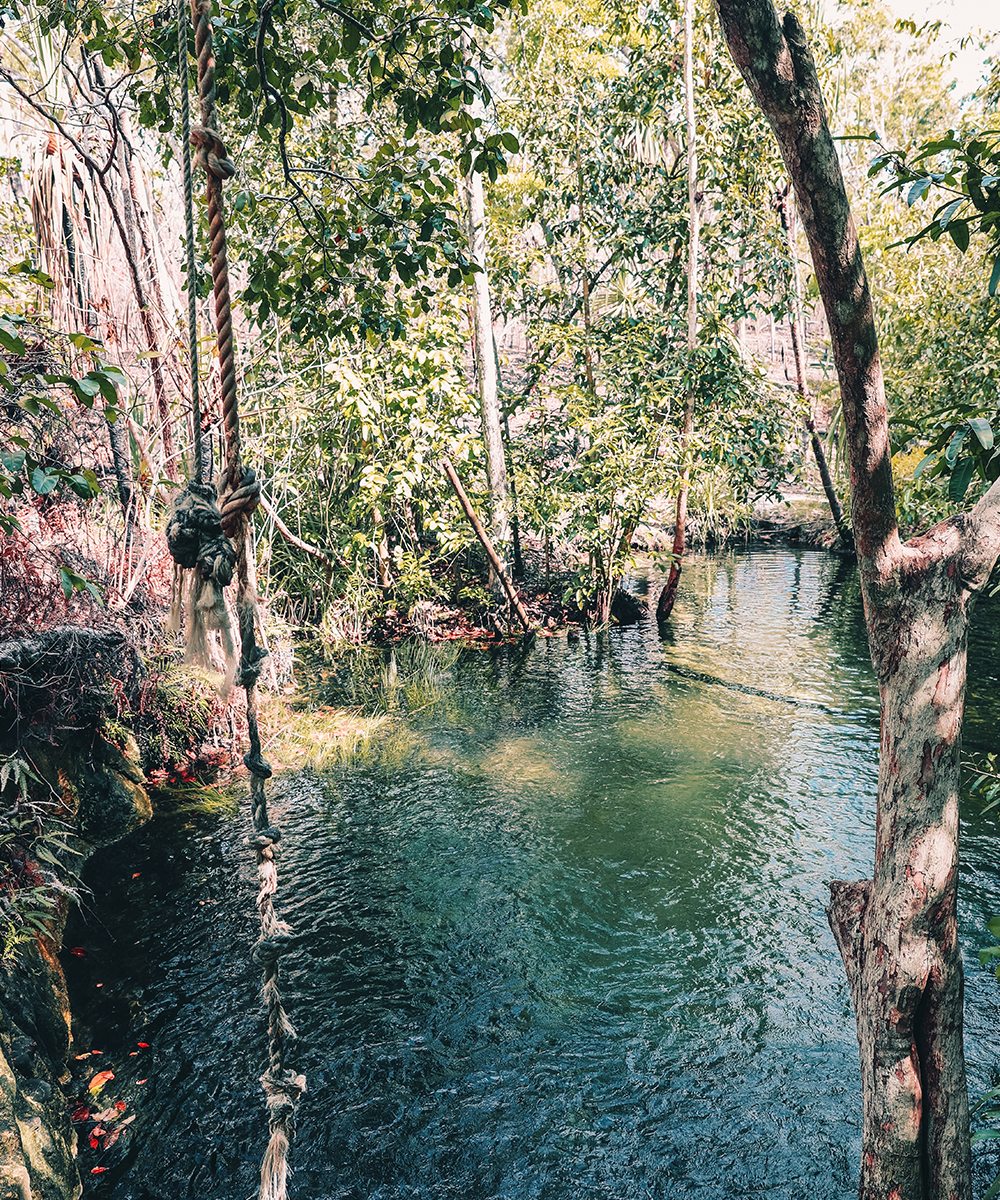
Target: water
561	934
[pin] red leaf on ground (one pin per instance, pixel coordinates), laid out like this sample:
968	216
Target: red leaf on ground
98	1170
80	1113
136	875
140	1082
120	1105
100	1079
78	951
143	1045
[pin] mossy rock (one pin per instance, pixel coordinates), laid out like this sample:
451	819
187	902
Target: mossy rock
101	786
37	1142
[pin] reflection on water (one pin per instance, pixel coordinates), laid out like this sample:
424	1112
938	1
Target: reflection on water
561	935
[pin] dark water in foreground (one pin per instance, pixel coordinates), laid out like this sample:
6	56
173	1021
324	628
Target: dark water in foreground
560	934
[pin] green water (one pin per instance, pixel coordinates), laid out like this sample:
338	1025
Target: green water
560	934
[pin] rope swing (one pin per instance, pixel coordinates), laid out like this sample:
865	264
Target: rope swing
208	537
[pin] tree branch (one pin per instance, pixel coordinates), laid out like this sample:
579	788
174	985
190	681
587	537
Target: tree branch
980	547
776	62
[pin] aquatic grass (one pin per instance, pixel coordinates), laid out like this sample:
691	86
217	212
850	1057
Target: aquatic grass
317	737
195	798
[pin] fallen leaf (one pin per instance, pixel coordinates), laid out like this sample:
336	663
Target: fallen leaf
98	1170
80	1113
106	1117
97	1051
79	952
99	1080
111	1138
129	1120
136	875
132	1053
81	1057
143	1045
120	1105
94	1143
140	1082
99	985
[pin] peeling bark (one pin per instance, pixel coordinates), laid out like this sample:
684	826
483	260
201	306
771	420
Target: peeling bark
896	932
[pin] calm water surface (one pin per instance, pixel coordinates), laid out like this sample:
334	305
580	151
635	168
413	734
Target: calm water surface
560	934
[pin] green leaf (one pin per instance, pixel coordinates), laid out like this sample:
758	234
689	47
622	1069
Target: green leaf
959	480
995	277
981	428
990	1095
82	487
958	231
993	925
924	463
10	341
106	386
43	481
82	342
984	1135
66	580
949	212
33	273
917	191
955	445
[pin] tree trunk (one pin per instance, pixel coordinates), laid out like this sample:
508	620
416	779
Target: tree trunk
588	358
897	931
486	372
665	605
786	213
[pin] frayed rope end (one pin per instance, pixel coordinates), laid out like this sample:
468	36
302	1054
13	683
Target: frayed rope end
274	1170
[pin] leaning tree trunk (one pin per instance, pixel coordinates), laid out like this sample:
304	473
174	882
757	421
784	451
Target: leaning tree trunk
665	604
486	372
897	931
787	215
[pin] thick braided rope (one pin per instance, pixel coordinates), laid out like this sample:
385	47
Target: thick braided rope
241	492
217	168
192	280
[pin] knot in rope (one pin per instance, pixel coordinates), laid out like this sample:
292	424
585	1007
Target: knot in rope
256	763
267	950
215	154
251	666
195	536
283	1089
242	500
